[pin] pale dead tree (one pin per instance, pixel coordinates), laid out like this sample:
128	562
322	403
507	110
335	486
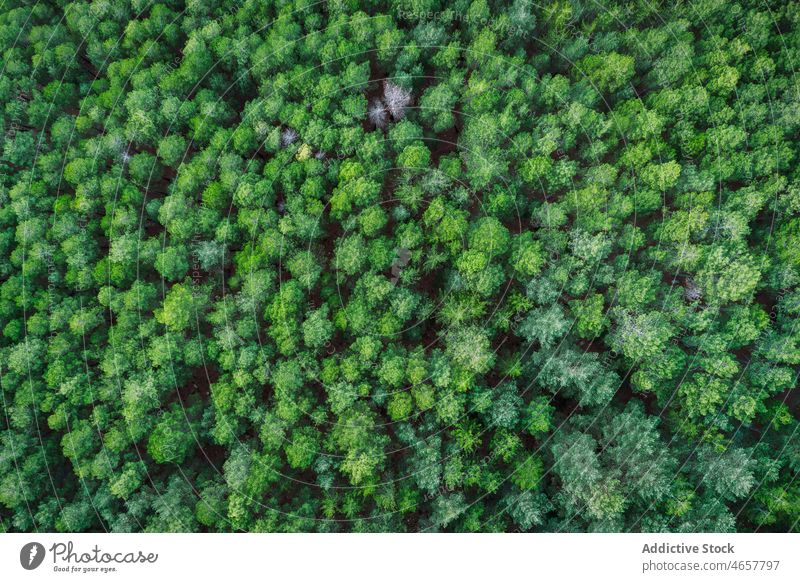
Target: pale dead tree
402	259
377	113
396	99
288	137
691	291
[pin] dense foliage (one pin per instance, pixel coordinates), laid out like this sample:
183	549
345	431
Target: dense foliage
399	265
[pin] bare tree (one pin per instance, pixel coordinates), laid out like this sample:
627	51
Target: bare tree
288	137
377	113
396	99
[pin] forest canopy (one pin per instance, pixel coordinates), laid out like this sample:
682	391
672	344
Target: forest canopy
399	265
